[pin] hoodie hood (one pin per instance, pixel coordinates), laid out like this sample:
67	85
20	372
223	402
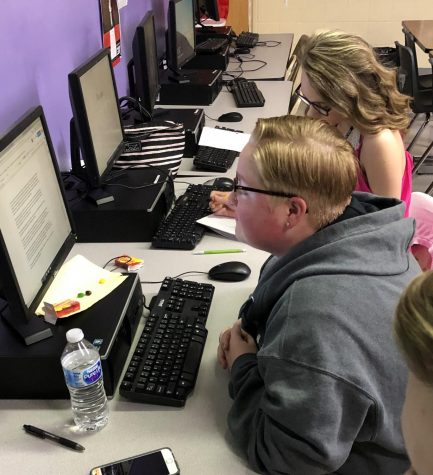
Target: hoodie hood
374	243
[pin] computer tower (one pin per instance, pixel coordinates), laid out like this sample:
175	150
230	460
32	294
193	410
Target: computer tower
35	372
190	87
134	214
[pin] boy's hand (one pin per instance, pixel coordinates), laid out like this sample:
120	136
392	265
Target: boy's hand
221	204
224	342
241	342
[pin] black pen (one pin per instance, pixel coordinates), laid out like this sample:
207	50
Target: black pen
43	434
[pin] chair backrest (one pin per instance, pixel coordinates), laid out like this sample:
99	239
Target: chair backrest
421	209
409	41
407	78
293	67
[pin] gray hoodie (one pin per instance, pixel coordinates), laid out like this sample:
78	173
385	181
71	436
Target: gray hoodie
325	391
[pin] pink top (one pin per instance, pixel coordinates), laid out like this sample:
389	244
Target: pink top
421	209
406	182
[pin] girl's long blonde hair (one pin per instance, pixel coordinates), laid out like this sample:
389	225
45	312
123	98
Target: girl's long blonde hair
345	72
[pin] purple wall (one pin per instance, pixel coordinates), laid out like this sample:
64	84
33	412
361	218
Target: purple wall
42	41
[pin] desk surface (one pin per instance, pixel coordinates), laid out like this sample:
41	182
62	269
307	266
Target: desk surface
197	433
275	56
422	31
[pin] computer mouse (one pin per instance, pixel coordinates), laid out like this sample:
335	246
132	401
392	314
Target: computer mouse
223	183
233	271
230	117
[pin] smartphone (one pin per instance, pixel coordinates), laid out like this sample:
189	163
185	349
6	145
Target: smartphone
158	462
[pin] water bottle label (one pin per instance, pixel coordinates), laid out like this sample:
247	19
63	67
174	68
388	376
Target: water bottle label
81	379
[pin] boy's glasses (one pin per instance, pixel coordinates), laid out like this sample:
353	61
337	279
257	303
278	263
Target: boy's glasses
281	194
321	109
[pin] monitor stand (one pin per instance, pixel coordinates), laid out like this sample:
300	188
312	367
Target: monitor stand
99	195
36	329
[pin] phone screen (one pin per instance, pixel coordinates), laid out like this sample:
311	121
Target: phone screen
147	464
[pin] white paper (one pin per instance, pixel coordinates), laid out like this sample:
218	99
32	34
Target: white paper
225	139
121	3
77	276
220	224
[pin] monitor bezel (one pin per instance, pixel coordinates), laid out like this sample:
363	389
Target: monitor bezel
81	123
141	61
172	58
11	289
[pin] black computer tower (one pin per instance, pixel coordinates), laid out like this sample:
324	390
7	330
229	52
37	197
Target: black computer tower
35	372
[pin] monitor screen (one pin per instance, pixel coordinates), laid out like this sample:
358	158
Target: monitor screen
146	63
208	9
180	33
97	119
35	227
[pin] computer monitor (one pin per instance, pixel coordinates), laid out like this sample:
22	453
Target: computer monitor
96	119
35	227
208	8
180	33
143	71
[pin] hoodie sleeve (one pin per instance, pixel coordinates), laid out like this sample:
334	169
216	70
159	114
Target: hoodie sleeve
293	419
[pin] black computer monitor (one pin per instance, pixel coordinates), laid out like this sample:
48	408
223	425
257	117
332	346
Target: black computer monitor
96	118
180	33
208	8
35	226
143	73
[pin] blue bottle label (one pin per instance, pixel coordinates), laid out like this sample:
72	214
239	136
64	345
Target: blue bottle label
86	377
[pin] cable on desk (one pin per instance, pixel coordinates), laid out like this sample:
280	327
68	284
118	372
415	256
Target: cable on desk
266	43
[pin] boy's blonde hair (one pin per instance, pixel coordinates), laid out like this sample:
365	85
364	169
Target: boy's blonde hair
308	158
345	72
413	326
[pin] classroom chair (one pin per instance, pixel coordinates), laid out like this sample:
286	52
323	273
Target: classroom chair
422	99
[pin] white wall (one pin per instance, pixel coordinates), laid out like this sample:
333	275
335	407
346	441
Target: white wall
377	21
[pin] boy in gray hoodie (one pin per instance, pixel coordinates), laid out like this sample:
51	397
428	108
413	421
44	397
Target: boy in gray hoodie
316	379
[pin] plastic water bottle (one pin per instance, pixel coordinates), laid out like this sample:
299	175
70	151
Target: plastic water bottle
83	374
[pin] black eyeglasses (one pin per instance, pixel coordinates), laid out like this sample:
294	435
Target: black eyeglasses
321	109
281	194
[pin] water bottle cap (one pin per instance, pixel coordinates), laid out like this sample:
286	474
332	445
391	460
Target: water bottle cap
74	335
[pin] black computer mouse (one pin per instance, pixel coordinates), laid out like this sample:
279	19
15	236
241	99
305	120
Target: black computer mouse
230	117
223	183
232	271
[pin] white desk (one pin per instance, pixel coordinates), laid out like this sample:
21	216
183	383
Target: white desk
196	433
276	58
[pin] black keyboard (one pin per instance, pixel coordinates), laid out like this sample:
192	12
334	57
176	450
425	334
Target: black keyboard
179	230
247	94
165	363
214	159
211	45
246	39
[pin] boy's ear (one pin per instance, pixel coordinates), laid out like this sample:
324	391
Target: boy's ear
296	207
